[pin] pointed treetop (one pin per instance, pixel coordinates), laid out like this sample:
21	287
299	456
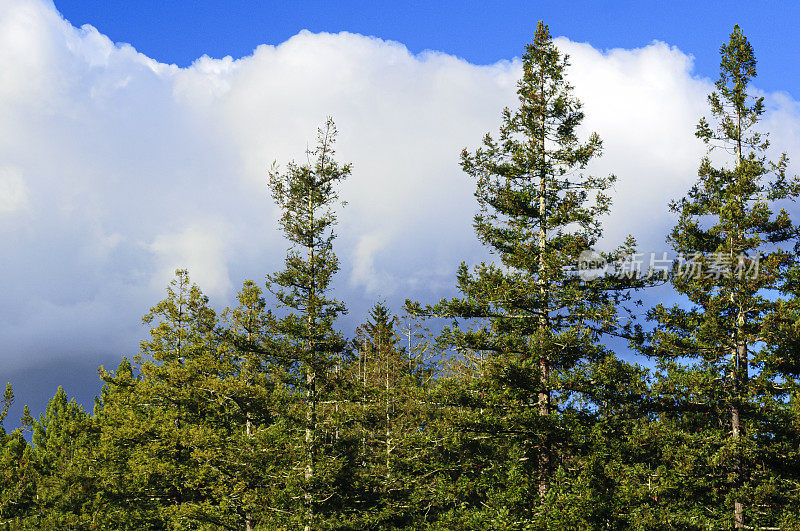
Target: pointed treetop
542	34
737	67
541	63
736	110
380	312
8	401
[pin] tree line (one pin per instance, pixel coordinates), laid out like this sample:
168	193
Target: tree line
516	413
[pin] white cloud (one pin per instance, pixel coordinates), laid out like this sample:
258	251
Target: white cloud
363	269
644	104
13	192
202	250
117	169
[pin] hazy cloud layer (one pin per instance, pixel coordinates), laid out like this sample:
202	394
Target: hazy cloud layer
116	169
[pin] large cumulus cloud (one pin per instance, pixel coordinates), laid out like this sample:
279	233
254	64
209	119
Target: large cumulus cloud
116	169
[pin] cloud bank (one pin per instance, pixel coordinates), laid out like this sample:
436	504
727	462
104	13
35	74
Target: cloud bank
115	169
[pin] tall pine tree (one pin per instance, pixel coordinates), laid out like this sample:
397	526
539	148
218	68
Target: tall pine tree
308	198
535	345
721	379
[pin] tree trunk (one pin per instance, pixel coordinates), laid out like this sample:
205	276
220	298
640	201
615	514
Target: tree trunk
311	383
248	520
739	383
544	392
388	423
364	404
544	411
740	368
311	426
738	510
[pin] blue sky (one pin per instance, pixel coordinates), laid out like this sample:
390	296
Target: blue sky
119	163
480	32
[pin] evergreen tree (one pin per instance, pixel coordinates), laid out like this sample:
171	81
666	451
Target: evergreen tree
130	423
389	382
308	197
195	437
63	441
166	431
538	322
723	383
379	361
257	464
17	471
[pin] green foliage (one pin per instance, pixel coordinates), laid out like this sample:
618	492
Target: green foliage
518	415
532	363
387	385
308	197
183	439
722	380
47	485
17	470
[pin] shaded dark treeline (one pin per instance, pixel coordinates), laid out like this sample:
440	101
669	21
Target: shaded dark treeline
516	415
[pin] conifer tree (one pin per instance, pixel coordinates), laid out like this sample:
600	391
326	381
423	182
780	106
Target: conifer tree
722	383
183	441
63	441
537	322
18	476
379	360
388	382
175	363
256	463
307	196
132	490
165	430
